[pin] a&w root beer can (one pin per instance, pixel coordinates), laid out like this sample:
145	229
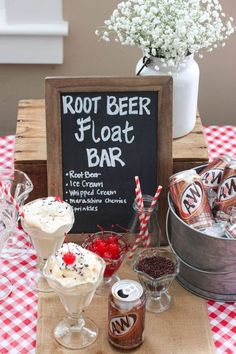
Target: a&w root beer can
226	195
212	174
190	199
126	314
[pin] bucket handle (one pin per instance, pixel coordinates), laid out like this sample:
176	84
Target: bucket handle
184	262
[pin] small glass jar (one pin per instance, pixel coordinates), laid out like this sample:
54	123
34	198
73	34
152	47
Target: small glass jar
154	230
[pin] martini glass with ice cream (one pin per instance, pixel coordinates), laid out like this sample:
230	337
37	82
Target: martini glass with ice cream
75	273
46	220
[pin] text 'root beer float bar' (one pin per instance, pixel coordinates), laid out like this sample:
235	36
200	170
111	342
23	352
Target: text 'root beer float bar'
207	201
120	133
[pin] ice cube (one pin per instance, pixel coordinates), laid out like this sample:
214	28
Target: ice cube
216	230
212	195
230	231
231	211
222	217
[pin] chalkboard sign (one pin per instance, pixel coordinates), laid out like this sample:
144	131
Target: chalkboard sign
101	132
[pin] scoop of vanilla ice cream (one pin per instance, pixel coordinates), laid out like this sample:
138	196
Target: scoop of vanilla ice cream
84	267
48	215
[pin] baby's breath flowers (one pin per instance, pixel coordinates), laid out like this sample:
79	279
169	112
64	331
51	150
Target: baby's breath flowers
168	29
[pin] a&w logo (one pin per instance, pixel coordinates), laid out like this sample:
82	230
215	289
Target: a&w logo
227	189
212	178
191	199
120	325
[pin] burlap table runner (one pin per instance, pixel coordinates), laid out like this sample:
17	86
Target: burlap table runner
183	329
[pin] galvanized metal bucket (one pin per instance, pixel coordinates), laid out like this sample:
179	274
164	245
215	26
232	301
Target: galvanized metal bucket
207	263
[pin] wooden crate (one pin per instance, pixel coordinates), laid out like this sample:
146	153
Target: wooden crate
31	155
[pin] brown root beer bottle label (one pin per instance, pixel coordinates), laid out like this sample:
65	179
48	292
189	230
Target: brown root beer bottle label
212	174
190	199
126	315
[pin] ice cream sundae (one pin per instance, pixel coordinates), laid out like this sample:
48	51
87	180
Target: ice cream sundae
47	220
74	273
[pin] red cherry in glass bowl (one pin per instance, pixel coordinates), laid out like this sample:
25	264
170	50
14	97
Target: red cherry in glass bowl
112	247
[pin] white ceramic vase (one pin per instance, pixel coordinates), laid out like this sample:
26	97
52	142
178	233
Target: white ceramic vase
185	91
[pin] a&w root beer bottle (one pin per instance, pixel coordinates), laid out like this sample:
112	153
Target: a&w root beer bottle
190	199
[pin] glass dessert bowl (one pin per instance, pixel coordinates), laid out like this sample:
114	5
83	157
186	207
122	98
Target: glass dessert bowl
112	247
19	186
47	221
74	273
156	269
7	224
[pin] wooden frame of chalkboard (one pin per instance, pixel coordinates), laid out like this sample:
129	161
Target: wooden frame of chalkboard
101	132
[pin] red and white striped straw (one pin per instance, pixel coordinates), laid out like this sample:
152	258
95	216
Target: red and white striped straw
143	235
138	191
146	236
137	242
6	191
139	199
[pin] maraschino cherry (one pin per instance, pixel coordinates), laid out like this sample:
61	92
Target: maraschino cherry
69	258
106	248
58	198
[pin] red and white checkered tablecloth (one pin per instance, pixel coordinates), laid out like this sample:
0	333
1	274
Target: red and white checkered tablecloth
7	145
220	140
18	313
222	318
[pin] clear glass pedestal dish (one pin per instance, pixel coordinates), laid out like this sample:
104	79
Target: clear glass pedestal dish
6	225
19	186
76	331
46	240
158	297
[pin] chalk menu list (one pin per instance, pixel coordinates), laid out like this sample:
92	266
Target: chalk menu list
107	139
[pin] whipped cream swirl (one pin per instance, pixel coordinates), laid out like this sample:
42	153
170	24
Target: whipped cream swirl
84	266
